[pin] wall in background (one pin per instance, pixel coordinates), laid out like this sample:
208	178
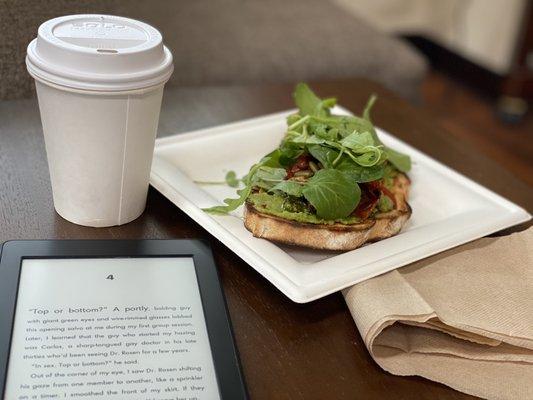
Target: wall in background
483	31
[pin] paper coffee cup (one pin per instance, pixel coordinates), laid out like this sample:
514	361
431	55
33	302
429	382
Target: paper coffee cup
99	82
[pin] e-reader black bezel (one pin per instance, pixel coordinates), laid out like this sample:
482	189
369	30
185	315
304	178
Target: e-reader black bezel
224	353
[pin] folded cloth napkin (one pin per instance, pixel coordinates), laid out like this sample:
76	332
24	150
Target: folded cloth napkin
463	318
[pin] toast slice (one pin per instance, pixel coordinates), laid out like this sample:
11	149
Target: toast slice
336	236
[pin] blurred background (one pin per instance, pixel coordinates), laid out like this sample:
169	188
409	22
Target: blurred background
468	62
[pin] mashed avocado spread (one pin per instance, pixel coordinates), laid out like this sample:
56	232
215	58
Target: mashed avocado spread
287	208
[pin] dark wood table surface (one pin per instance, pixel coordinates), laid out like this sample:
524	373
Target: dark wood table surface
288	350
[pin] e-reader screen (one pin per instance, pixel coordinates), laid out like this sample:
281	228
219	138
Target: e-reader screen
113	328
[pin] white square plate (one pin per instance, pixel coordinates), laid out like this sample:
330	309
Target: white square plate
448	208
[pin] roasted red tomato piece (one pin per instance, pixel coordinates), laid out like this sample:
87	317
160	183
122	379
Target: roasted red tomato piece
379	185
369	199
301	164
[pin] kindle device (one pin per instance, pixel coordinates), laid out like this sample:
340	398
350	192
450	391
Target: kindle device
114	319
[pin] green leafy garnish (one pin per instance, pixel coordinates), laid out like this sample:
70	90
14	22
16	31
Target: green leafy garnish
399	160
309	103
231	179
333	194
266	177
291	188
358	173
339	153
231	204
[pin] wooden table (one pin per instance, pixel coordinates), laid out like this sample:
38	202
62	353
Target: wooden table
288	350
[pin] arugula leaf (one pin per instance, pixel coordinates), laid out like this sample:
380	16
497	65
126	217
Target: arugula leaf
266	173
363	144
293	118
267	177
309	103
358	173
368	159
295	126
319	129
367	156
291	188
357	140
231	179
306	101
369	104
325	155
271	159
332	193
308	139
349	124
399	160
366	117
288	153
231	204
328	103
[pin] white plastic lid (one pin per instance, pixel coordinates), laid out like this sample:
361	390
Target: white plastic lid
99	52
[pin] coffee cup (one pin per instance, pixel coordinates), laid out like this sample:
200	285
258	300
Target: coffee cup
99	82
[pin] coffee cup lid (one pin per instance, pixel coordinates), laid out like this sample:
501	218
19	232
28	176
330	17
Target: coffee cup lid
99	52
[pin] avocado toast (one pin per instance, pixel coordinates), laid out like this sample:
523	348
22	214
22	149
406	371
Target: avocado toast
331	184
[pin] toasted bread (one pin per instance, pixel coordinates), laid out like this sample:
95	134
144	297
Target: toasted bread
333	236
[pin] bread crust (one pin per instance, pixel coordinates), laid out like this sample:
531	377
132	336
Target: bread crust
336	236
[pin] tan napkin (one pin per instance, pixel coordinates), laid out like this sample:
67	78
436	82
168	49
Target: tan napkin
463	318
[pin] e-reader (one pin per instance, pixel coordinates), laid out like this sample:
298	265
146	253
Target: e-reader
114	319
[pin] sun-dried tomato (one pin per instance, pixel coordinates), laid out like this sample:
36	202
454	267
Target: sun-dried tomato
369	199
301	164
370	194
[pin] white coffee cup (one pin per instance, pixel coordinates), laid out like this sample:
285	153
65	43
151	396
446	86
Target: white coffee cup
99	81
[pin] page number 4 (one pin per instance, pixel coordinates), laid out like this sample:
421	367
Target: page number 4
110	277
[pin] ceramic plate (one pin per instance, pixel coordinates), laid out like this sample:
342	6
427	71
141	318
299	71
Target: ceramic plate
448	208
